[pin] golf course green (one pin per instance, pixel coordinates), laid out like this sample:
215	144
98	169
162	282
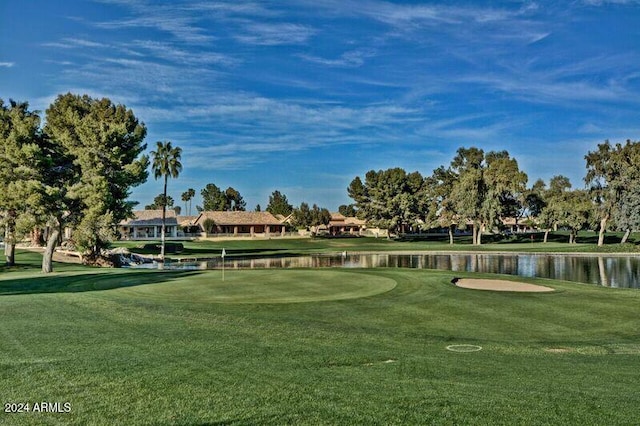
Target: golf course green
370	346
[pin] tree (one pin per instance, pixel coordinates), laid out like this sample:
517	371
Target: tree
301	216
577	210
627	216
347	210
21	160
258	208
488	188
234	202
217	200
213	198
319	216
553	208
99	146
564	207
612	175
187	196
441	207
159	202
358	193
534	201
601	177
505	184
278	204
305	217
166	163
390	199
468	193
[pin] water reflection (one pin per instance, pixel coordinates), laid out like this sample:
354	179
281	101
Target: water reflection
621	272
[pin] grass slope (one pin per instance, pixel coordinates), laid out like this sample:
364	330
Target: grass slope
160	347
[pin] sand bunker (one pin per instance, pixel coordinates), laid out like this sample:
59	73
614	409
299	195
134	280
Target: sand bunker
499	285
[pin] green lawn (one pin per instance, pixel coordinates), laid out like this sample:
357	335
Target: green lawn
312	347
301	246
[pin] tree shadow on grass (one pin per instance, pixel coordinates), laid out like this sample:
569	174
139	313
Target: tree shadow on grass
90	281
209	251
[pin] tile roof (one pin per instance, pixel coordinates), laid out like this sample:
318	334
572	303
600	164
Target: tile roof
186	220
354	221
151	218
338	219
238	218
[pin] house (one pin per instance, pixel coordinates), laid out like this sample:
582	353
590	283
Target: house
239	223
341	224
147	224
518	225
187	225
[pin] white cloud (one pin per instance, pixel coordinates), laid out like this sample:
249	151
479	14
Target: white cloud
352	58
269	34
7	64
403	15
168	51
163	19
605	2
230	8
537	88
72	43
590	128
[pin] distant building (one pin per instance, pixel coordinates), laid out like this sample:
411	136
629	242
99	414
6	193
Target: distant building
340	225
239	223
147	224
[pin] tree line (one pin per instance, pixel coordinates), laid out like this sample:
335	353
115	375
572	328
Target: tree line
75	171
477	190
215	199
78	169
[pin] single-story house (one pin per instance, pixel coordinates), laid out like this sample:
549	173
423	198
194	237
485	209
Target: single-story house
239	223
147	224
341	224
187	225
523	224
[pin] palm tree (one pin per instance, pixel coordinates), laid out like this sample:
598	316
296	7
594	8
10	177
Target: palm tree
166	162
187	196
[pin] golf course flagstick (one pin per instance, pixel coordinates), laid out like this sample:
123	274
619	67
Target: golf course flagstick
224	253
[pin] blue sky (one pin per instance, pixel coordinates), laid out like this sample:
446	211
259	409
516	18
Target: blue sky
302	96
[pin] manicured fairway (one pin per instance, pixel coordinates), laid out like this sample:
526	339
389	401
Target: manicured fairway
356	347
268	286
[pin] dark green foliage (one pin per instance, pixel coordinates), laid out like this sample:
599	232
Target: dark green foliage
22	164
104	144
305	217
235	202
159	202
488	187
391	199
567	208
612	175
215	199
278	204
348	210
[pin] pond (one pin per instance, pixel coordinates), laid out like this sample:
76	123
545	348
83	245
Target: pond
610	271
